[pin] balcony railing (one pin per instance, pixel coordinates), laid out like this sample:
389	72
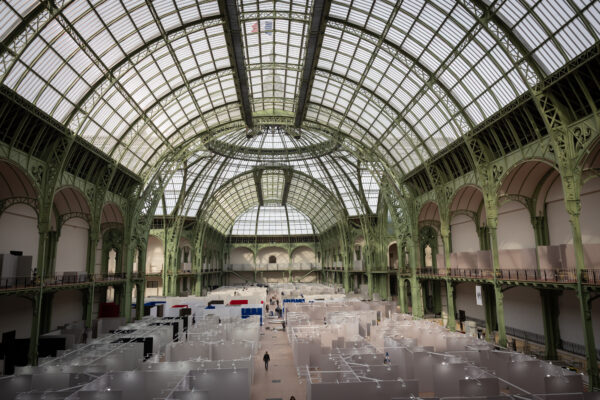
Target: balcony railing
272	267
431	271
472	273
57	280
532	275
590	276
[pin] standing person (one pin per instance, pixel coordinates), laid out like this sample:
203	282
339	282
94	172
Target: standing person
266	359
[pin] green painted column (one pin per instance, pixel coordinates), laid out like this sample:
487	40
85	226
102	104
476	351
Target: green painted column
588	337
500	315
46	314
52	247
90	260
573	208
139	303
415	285
402	294
445	233
490	311
499	298
32	357
451	310
89	305
550	312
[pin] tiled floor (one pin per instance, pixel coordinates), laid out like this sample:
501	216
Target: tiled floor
281	380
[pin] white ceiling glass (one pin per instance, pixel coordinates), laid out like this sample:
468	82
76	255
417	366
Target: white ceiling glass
272	220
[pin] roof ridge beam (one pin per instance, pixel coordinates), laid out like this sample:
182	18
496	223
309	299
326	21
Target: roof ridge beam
313	49
233	38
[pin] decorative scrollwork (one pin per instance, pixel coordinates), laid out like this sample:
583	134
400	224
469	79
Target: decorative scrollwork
497	172
38	174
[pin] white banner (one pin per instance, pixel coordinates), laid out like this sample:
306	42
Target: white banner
478	297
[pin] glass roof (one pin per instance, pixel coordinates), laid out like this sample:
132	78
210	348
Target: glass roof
274	144
272	187
272	220
399	80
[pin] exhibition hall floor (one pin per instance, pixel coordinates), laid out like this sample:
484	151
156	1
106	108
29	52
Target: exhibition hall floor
281	380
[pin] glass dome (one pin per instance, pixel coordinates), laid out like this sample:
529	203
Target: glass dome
272	220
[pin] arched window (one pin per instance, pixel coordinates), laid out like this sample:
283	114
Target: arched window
272	260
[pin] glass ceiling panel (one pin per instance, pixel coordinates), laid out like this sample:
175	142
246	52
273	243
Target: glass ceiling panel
553	32
12	13
419	47
240	194
272	183
272	220
274	35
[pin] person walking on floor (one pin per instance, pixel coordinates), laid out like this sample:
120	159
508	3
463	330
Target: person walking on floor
266	359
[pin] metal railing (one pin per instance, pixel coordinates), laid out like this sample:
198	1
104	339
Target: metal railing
590	276
472	273
58	280
431	271
570	347
532	275
272	267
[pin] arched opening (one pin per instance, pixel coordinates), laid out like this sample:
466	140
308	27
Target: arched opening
522	221
408	295
468	232
358	255
72	214
155	255
272	260
18	219
136	258
264	255
393	256
110	294
303	255
112	261
134	294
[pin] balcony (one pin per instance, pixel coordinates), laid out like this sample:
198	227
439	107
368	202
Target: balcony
532	275
272	267
66	279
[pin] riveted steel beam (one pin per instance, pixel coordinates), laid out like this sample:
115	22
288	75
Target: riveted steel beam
313	49
233	37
